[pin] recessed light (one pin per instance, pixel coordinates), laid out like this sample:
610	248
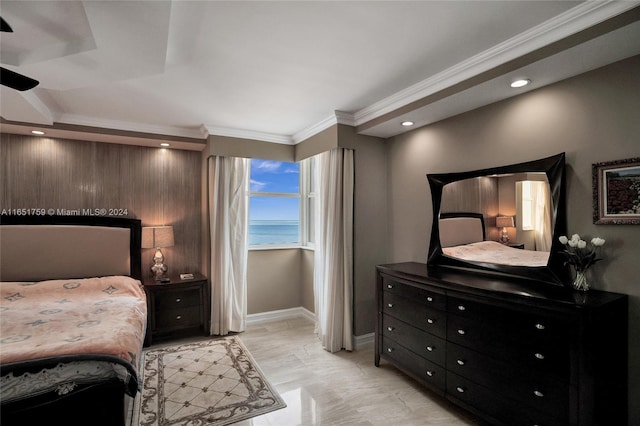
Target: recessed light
165	144
37	132
408	123
520	83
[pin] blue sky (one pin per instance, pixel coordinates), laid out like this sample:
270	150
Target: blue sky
274	176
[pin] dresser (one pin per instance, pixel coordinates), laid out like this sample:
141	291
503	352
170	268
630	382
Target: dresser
508	350
176	308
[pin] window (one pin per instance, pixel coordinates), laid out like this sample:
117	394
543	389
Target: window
280	208
308	195
527	205
274	203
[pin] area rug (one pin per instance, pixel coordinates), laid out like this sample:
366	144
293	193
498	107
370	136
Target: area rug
214	382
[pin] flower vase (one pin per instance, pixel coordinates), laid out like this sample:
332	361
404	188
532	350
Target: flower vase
580	281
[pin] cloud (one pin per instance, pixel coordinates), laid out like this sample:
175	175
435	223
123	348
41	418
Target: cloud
256	185
266	166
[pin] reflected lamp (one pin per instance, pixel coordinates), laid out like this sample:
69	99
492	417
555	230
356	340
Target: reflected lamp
504	222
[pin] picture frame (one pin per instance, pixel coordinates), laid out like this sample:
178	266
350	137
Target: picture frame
616	192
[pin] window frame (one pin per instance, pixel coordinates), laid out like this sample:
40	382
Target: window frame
304	197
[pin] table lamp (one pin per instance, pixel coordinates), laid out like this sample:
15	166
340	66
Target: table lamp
157	237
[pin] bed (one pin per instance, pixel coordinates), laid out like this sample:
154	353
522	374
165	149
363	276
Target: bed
72	319
463	236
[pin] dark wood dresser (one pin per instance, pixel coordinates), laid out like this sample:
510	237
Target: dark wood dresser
176	308
507	350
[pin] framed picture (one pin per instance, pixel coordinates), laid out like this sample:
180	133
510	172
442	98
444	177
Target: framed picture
616	192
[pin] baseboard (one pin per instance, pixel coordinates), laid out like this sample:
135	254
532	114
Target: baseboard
282	314
363	341
359	342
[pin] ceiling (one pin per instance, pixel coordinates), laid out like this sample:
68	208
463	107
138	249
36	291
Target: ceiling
283	71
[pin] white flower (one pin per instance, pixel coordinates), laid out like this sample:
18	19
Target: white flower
582	244
573	243
564	240
575	238
597	241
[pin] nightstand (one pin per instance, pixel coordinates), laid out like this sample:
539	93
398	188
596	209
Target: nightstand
516	245
176	308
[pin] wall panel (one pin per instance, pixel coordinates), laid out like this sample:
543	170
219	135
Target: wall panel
159	186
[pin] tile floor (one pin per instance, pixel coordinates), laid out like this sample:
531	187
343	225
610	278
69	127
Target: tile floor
338	389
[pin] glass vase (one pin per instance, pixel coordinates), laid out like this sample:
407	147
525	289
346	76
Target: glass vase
580	282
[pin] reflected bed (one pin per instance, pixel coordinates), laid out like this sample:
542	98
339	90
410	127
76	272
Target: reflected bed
462	236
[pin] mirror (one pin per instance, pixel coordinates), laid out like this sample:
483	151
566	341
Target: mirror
502	220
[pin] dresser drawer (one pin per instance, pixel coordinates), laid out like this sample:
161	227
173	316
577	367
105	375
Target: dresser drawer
419	315
177	299
422	369
522	325
533	388
422	295
505	410
494	341
421	343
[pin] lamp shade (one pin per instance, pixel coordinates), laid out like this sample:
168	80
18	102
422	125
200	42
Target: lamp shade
157	236
504	221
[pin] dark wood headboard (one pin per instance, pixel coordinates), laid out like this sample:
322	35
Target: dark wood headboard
45	245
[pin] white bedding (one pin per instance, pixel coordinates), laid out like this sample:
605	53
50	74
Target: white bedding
494	252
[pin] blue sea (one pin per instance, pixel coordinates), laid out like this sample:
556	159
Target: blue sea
273	232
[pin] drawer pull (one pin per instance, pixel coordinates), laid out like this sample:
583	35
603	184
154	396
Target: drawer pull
460	389
461	362
390	328
429	299
390	286
430	348
178	317
538	393
539	355
430	373
462	308
540	326
390	305
461	332
178	300
389	349
429	320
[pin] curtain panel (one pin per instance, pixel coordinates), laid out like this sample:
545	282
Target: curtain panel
333	270
227	202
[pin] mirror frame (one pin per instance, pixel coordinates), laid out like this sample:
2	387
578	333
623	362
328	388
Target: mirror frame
556	271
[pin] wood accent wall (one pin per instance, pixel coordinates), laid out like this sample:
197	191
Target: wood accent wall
156	185
477	195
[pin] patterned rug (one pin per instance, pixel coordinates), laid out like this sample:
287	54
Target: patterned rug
215	382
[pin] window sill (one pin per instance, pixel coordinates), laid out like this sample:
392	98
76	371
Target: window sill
279	247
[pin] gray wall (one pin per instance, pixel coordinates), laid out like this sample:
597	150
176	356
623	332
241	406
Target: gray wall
279	279
369	228
592	117
273	280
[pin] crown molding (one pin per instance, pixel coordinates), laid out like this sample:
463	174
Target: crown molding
338	117
579	18
249	134
80	120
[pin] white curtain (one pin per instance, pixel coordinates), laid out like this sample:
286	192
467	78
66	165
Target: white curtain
333	266
542	216
228	228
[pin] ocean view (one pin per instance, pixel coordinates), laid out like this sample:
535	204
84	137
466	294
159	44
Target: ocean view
273	232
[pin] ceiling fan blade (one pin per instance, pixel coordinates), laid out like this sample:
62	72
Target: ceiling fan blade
16	81
4	27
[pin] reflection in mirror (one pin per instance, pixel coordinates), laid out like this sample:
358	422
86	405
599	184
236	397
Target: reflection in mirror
501	220
523	199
